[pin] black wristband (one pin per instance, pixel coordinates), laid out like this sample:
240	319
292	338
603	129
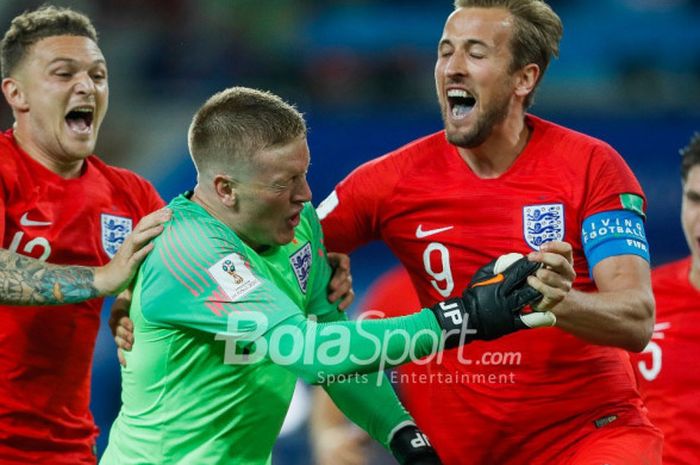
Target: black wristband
411	447
457	322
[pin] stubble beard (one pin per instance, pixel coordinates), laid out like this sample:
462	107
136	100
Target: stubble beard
482	129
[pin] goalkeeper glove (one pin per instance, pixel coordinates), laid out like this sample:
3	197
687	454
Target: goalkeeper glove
490	306
411	447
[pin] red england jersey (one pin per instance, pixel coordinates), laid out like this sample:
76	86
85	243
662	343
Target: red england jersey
667	370
528	397
46	352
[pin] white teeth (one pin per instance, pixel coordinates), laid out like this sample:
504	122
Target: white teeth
457	93
83	109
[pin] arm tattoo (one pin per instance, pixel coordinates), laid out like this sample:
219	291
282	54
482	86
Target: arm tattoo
26	281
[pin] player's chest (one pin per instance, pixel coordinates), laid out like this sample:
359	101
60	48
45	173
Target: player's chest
290	268
66	224
505	219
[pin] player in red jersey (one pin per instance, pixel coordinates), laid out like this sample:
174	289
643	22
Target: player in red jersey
665	369
496	180
61	204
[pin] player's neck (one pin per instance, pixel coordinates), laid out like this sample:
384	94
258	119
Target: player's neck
498	153
67	169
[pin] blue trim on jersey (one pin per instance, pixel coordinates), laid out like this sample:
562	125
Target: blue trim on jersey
611	233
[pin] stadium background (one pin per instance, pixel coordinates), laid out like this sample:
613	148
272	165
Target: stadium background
361	71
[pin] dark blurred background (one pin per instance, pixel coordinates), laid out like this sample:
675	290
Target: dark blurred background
361	71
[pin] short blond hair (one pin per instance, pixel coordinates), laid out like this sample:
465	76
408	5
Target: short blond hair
236	123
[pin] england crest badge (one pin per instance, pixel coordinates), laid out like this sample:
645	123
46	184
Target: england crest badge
114	231
301	264
543	223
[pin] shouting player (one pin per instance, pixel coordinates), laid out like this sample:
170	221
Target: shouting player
498	179
61	204
666	370
224	307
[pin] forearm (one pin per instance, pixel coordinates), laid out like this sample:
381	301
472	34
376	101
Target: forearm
623	318
27	281
325	350
370	403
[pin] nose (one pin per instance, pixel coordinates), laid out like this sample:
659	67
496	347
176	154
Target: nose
456	64
303	191
84	84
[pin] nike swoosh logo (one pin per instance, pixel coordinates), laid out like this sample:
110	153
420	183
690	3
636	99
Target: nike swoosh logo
25	221
420	233
495	280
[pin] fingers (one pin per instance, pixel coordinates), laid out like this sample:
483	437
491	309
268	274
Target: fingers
149	227
340	287
122	359
124	334
555	279
560	248
551	295
348	299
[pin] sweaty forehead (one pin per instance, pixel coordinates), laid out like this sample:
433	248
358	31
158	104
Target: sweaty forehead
71	48
489	25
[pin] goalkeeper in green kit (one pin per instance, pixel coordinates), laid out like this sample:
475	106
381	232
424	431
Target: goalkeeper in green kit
230	308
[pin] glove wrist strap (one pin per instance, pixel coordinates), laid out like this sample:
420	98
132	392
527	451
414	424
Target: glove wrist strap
456	321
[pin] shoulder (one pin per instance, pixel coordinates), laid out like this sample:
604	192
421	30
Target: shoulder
558	137
119	175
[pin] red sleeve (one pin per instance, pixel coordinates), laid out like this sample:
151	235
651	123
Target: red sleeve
608	178
350	214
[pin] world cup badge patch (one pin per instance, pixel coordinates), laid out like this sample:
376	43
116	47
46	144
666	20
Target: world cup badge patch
234	277
114	231
543	223
301	264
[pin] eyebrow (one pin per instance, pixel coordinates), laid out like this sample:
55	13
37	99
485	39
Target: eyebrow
469	42
100	61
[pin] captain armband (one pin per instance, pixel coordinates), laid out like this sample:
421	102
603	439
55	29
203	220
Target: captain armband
611	233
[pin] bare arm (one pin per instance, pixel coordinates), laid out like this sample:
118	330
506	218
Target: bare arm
27	281
620	314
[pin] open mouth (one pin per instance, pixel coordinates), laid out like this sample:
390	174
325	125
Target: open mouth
294	220
461	102
79	119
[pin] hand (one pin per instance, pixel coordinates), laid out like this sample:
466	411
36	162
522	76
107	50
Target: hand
411	447
342	445
556	277
340	286
121	325
116	275
490	306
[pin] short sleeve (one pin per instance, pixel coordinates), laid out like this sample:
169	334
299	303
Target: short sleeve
611	184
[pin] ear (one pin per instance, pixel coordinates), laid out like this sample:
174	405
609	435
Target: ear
225	189
12	89
526	79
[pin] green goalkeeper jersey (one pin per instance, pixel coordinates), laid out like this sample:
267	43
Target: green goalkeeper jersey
183	400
